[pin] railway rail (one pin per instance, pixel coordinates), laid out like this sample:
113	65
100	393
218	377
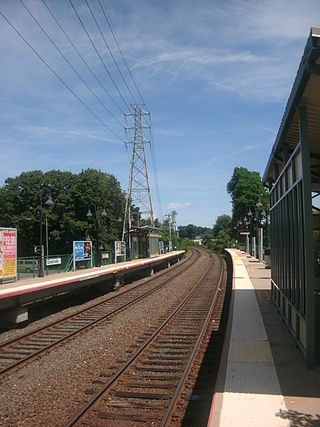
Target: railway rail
146	389
15	353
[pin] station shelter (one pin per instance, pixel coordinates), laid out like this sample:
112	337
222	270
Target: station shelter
292	175
144	242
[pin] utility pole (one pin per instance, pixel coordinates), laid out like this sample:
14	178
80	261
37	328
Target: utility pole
138	187
170	230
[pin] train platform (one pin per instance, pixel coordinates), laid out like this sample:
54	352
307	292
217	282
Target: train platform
263	380
15	295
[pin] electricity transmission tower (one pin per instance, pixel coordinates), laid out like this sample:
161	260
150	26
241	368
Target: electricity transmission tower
138	187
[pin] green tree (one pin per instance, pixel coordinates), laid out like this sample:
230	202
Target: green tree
72	194
246	189
191	231
222	233
207	237
222	241
223	222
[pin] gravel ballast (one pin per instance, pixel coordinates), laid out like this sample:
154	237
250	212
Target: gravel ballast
50	389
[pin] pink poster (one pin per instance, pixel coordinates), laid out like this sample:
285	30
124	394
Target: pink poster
9	252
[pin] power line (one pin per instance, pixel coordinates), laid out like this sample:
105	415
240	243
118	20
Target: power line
153	157
96	50
64	57
155	172
83	60
59	78
122	55
114	36
111	54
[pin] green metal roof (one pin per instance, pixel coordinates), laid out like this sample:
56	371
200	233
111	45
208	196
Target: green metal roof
305	91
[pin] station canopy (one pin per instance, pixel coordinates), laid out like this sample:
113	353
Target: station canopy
305	92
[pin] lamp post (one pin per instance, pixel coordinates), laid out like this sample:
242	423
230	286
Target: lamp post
250	214
98	246
48	203
47	239
265	215
245	224
170	230
259	205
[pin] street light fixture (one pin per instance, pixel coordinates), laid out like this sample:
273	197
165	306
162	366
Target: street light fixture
259	205
48	203
250	215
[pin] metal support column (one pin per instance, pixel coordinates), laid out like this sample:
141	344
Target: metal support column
308	239
254	254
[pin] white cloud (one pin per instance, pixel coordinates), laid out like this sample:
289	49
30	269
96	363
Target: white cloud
190	59
234	46
183	205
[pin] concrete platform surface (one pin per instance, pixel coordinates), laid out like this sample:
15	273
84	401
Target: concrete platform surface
38	283
263	380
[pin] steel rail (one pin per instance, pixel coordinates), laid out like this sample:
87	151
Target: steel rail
91	324
165	422
56	322
113	380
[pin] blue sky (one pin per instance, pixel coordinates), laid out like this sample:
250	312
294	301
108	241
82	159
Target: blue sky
215	75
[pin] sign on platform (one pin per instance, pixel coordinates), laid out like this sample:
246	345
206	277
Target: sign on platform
8	253
82	251
53	261
119	249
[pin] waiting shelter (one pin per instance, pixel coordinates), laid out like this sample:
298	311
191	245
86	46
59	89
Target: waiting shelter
293	178
144	241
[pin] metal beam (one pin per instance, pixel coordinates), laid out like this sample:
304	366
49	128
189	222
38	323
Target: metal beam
308	240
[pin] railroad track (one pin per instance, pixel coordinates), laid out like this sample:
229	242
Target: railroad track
145	390
15	353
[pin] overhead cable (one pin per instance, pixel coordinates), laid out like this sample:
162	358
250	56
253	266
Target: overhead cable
111	54
96	50
64	57
83	60
122	55
59	78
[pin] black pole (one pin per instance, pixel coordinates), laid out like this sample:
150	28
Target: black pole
257	234
267	244
251	235
41	274
127	237
98	263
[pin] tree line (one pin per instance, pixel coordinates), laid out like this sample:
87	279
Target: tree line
246	191
73	195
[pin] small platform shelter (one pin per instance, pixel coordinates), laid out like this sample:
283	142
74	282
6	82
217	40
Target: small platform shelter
292	175
144	241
